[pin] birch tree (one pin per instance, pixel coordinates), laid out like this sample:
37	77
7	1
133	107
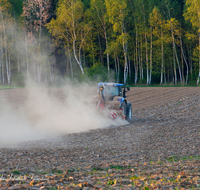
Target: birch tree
145	35
115	51
157	22
178	32
35	14
69	25
116	11
193	15
134	12
6	42
98	10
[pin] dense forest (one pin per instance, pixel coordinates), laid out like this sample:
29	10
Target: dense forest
127	41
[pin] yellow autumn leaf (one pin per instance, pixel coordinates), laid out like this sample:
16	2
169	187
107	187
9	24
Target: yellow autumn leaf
31	183
178	177
143	178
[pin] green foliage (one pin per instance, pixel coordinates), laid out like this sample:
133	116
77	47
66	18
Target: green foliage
98	32
192	12
18	80
97	72
17	7
192	79
6	87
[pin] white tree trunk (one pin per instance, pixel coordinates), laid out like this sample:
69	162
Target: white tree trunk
136	56
179	68
2	44
174	49
147	62
6	53
115	65
74	50
50	72
1	55
199	60
191	59
2	60
70	62
27	62
183	77
125	61
136	70
162	57
93	54
0	72
175	53
108	64
139	60
80	55
151	51
34	72
18	64
175	75
184	59
101	58
145	35
129	66
9	71
125	66
40	34
141	64
118	69
39	73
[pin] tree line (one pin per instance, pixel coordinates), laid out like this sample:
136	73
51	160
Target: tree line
128	41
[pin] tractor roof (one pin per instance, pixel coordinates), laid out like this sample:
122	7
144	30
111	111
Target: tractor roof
110	84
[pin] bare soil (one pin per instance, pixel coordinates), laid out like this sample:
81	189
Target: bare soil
165	127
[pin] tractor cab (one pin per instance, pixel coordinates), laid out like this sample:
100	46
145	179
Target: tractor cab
112	90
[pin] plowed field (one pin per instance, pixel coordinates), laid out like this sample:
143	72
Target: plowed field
147	153
140	97
146	97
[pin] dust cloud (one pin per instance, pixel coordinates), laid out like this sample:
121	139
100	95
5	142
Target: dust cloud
38	112
50	112
14	127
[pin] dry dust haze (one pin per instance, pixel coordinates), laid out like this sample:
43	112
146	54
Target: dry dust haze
40	112
47	113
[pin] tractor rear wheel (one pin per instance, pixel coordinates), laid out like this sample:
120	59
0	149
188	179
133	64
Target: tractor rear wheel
128	111
124	108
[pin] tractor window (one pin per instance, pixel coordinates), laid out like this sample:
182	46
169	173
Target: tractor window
120	91
111	91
